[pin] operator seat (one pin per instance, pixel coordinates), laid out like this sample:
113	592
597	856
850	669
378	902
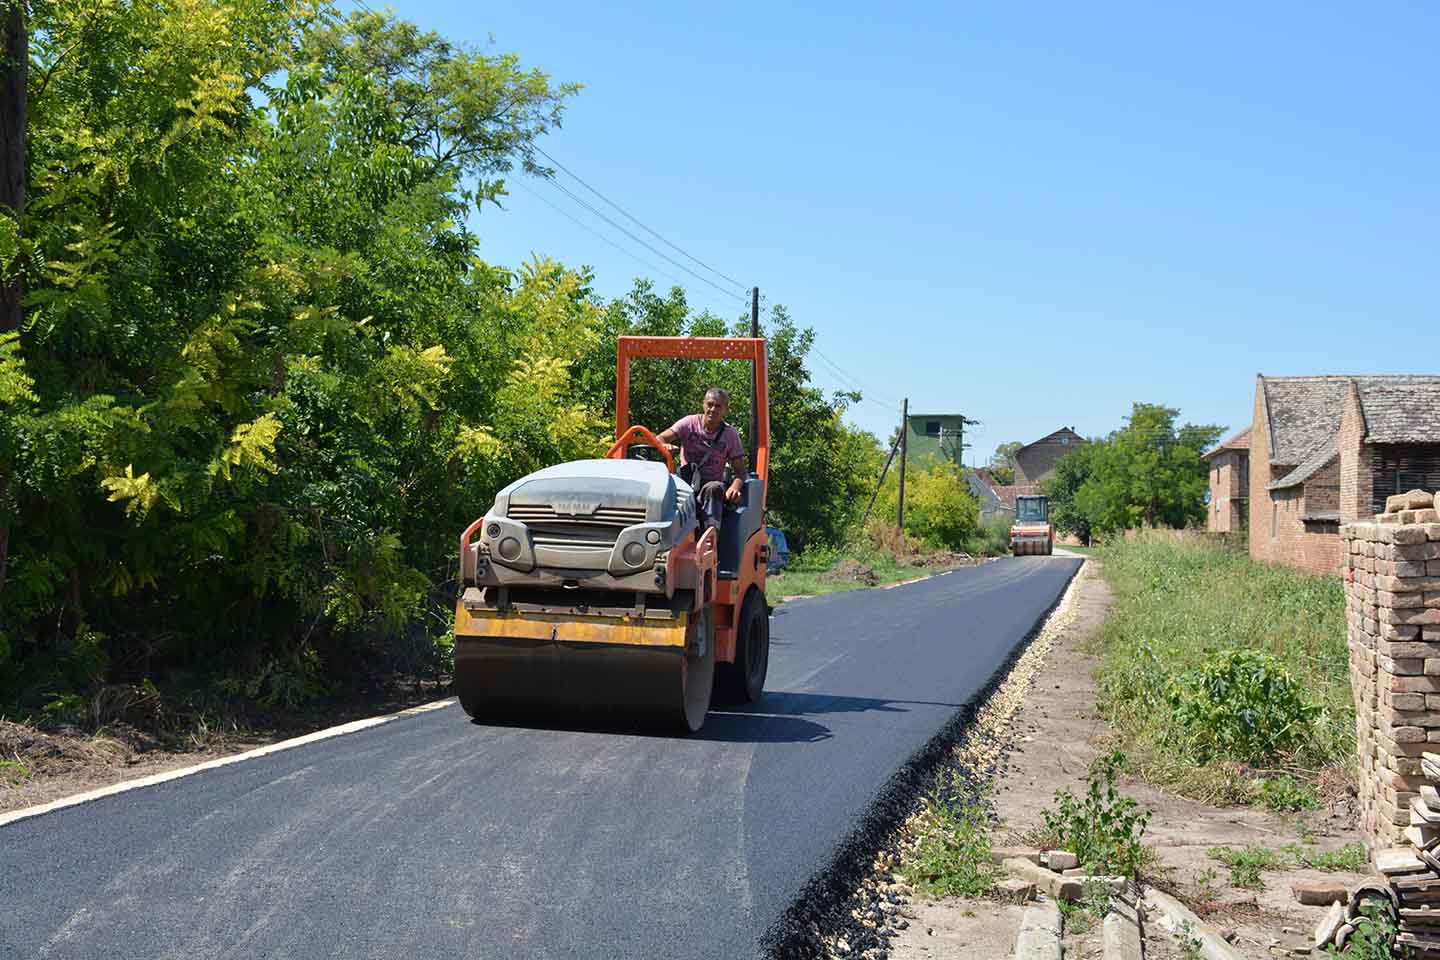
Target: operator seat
742	520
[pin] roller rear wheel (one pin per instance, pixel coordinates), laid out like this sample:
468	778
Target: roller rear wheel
744	680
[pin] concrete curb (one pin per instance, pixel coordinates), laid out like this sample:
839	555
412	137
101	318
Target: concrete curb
1122	931
166	776
1039	934
1178	919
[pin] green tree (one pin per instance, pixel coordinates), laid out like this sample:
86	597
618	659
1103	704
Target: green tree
1064	484
263	379
939	509
1002	462
1148	473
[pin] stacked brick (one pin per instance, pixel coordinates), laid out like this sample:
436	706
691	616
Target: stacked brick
1392	597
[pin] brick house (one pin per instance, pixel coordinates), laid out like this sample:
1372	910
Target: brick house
1036	461
1327	450
1229	485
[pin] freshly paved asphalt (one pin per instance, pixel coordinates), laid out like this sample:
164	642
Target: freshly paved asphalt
431	836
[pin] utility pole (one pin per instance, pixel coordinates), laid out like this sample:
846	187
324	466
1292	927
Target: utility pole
904	449
754	387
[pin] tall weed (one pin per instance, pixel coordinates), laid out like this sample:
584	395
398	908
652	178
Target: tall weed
1199	642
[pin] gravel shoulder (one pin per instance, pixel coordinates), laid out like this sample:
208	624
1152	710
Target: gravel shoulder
1046	745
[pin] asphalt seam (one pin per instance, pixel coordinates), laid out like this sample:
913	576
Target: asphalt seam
124	786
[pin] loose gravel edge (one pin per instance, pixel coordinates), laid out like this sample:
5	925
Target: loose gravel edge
855	906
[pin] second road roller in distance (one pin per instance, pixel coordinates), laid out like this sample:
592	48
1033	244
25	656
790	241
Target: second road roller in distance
592	585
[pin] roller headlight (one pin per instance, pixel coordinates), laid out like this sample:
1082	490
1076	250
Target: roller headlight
634	554
509	549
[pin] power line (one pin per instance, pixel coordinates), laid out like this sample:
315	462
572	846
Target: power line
854	382
659	253
636	221
589	229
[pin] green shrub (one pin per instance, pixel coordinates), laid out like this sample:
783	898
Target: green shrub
1374	937
952	858
1285	795
1247	862
1103	828
1241	705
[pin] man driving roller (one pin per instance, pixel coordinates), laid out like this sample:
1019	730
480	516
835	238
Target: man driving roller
707	443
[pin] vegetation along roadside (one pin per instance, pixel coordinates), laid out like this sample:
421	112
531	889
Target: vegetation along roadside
1226	679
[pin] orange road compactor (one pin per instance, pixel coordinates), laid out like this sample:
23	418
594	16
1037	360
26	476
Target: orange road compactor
589	585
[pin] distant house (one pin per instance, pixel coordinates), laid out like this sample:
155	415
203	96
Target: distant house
1229	484
1035	462
1327	450
983	489
936	435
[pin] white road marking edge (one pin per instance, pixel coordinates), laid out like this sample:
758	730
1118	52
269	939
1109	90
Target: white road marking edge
354	726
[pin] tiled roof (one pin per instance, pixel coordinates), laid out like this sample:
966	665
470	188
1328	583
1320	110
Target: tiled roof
1237	441
1304	412
1010	492
1400	409
980	486
1313	464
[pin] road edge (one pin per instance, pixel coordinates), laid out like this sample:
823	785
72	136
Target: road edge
124	786
822	900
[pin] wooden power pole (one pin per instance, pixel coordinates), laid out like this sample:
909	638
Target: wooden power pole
754	387
904	450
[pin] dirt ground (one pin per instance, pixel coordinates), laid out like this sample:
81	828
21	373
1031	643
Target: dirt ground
40	765
1053	740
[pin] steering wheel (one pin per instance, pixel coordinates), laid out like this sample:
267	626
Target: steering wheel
639	437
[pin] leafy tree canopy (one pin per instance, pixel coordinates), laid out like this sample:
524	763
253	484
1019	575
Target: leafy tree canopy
1148	473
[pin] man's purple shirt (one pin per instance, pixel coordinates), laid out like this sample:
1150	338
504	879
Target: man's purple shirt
711	451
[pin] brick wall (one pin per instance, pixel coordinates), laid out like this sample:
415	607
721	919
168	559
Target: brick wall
1035	462
1356	470
1277	532
1229	488
1392	603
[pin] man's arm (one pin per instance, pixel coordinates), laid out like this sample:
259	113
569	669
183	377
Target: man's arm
739	466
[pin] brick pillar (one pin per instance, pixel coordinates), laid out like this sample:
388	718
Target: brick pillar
1392	601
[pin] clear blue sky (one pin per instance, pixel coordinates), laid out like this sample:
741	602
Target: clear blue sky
1033	214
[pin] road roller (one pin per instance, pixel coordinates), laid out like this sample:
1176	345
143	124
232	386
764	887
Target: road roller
592	586
1032	533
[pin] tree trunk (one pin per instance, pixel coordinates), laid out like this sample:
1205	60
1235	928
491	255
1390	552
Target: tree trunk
14	63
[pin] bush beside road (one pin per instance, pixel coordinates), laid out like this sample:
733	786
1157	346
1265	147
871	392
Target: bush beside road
1226	679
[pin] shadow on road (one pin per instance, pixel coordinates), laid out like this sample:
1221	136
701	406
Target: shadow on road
777	717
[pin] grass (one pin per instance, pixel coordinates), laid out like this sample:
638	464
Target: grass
1184	609
1248	862
952	855
805	579
879	555
13	772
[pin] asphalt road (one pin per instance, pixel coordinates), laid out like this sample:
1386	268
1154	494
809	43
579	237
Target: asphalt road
431	836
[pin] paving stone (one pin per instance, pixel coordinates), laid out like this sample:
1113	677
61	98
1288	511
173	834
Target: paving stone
1013	888
1319	893
1061	860
1396	860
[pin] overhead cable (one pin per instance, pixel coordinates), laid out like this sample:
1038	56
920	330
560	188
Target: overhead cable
659	253
589	229
627	215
